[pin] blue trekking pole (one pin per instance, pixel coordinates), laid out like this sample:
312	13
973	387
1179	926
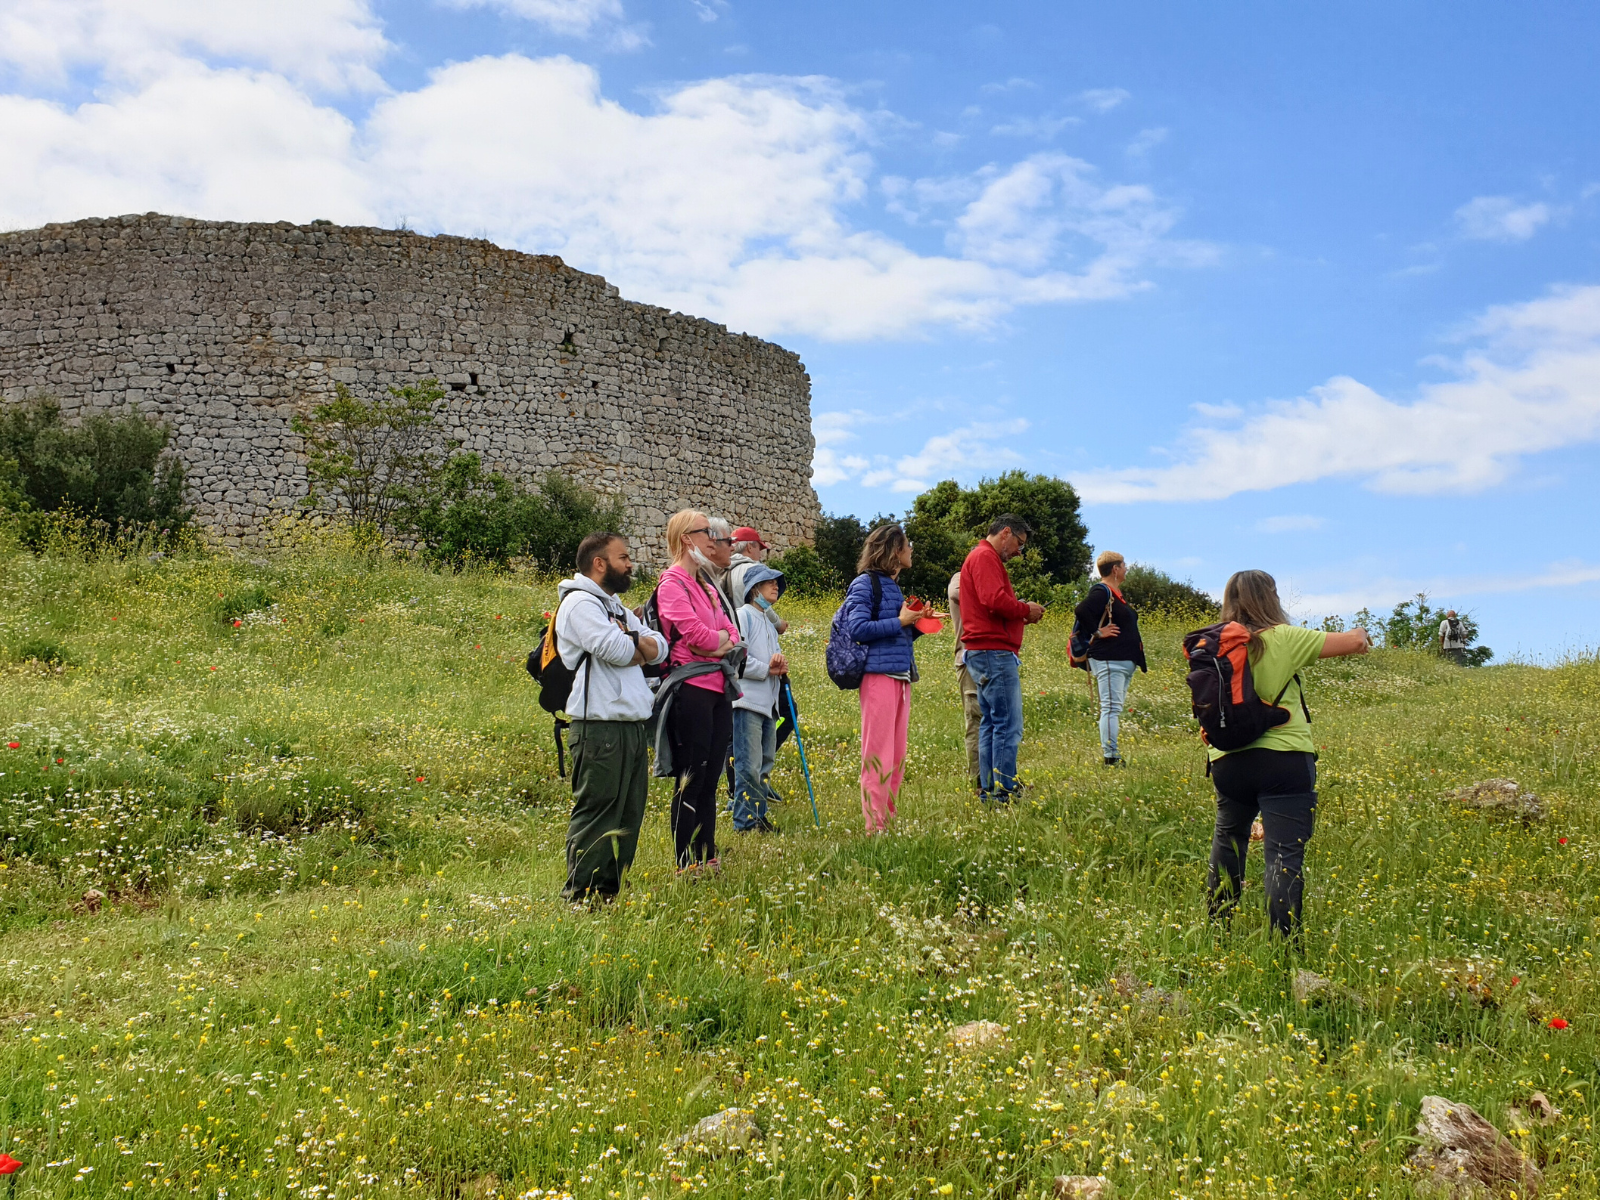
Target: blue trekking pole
794	716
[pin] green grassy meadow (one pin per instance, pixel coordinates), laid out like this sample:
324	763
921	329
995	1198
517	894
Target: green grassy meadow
331	960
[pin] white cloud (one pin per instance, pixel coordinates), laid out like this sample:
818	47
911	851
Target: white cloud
1531	383
327	44
734	198
1501	219
1380	595
1040	128
1146	141
1290	523
574	18
1104	99
975	447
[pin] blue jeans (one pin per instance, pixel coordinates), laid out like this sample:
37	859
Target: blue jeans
755	747
1111	679
998	676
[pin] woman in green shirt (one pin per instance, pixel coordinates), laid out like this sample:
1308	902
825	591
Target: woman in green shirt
1275	775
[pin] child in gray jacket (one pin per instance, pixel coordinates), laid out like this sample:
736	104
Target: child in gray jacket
755	714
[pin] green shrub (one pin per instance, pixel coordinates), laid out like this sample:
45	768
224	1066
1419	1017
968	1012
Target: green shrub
44	650
805	573
236	605
465	514
1152	590
113	471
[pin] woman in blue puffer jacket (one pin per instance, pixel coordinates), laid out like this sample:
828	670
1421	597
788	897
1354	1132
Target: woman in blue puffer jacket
876	615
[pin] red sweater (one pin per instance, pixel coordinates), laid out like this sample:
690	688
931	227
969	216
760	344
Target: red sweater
991	614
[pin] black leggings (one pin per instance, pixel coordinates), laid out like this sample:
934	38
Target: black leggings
1282	786
700	727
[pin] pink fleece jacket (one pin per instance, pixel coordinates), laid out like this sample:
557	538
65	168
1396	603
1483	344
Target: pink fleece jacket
692	616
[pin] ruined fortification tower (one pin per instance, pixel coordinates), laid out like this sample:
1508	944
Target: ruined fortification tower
226	330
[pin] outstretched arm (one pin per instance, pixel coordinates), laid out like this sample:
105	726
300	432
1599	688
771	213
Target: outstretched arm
1353	641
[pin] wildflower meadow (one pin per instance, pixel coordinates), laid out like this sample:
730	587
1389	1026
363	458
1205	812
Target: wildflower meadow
280	848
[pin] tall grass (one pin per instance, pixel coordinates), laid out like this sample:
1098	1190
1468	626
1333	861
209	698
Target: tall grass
330	960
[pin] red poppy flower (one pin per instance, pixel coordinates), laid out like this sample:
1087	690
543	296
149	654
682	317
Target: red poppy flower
113	618
13	745
1558	1022
497	616
422	779
237	622
61	760
213	668
1561	841
8	1165
1516	979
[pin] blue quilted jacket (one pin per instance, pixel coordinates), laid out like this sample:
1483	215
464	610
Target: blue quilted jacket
888	642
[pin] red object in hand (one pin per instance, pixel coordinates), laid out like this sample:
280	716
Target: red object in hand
929	625
9	1165
914	603
1558	1022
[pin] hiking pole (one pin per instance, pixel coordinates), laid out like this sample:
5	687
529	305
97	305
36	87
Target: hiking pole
794	716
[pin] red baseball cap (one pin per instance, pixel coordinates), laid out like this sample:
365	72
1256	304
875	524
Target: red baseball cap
745	534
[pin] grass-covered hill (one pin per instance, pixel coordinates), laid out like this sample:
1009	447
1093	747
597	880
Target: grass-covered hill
321	807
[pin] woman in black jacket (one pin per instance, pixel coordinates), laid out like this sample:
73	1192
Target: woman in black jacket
1115	648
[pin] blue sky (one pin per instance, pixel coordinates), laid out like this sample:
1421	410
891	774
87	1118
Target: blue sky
1315	292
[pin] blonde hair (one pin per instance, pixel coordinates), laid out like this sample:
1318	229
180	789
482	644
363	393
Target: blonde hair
678	526
1251	598
1107	560
881	551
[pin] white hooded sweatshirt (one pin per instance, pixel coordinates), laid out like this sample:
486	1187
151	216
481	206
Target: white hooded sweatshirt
606	687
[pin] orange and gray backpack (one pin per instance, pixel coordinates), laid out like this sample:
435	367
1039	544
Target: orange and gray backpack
1223	690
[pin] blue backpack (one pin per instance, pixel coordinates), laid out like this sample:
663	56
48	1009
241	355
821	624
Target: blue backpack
847	658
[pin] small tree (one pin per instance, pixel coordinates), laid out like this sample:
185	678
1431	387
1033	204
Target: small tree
805	573
114	471
367	459
463	514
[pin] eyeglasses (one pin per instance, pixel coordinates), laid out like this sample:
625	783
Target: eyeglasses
728	541
692	532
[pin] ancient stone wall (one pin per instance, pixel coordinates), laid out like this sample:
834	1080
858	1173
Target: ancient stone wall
226	330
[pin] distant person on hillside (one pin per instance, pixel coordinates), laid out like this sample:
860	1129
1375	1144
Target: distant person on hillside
699	721
971	714
991	626
605	645
755	714
1115	648
1453	638
876	615
1275	775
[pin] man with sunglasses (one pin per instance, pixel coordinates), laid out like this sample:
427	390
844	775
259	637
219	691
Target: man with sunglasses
991	630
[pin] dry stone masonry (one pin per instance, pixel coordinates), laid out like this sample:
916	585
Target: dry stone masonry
226	330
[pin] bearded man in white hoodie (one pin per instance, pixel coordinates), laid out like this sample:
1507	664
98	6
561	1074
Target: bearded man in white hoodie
606	647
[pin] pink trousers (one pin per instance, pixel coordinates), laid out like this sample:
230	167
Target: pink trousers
885	717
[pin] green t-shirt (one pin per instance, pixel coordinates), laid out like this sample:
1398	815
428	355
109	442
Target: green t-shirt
1285	649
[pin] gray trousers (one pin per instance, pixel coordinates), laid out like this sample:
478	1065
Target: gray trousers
610	781
971	715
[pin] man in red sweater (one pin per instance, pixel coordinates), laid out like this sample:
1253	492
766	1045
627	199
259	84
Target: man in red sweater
991	629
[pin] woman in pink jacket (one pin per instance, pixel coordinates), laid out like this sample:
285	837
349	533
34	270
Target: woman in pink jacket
700	723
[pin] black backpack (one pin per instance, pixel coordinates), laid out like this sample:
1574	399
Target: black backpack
555	682
1223	690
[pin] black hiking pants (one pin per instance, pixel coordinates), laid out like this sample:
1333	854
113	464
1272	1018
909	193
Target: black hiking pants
700	727
1282	786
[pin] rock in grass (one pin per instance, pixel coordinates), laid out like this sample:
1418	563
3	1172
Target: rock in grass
1535	1110
1127	985
93	899
1311	988
721	1132
1502	796
978	1035
1082	1187
1462	1156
